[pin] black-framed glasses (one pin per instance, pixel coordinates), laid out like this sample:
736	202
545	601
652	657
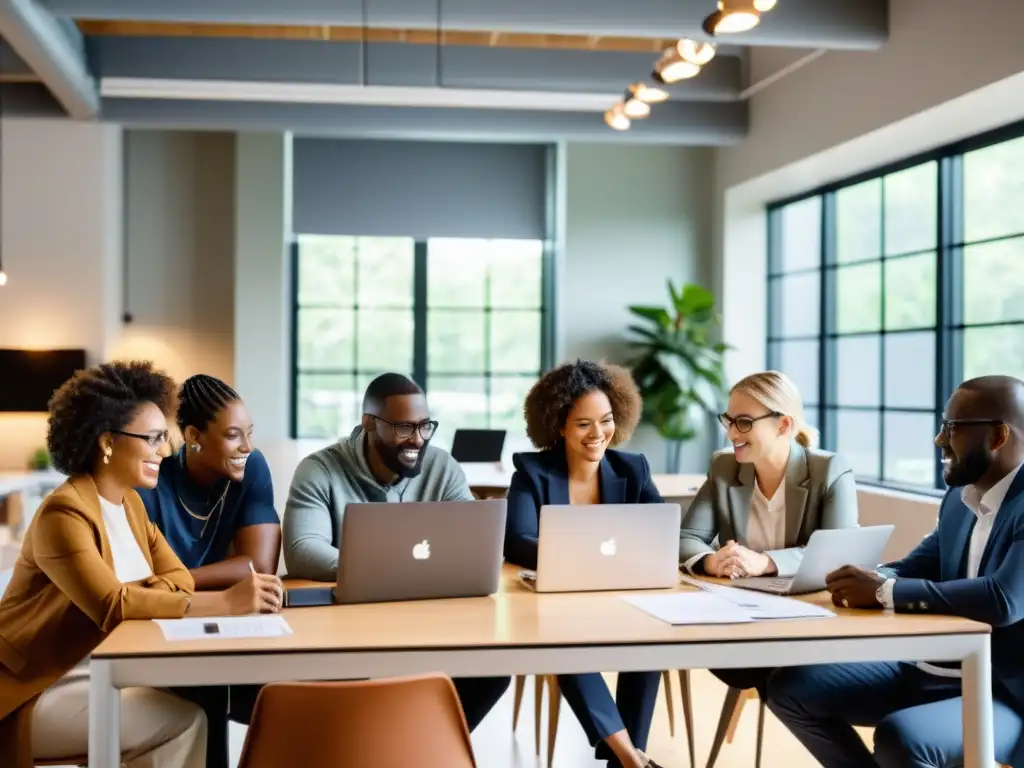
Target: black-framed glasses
744	423
155	439
403	430
948	425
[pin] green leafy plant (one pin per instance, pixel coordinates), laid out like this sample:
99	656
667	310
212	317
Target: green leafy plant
677	365
40	460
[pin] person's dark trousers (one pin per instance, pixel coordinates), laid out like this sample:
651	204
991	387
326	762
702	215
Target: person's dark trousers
213	699
917	716
588	696
756	677
478	696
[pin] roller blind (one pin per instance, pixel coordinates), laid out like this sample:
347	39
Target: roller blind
418	189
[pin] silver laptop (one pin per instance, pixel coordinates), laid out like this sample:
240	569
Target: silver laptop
414	551
826	551
601	547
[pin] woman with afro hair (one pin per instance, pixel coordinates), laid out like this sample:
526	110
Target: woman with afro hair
92	559
574	415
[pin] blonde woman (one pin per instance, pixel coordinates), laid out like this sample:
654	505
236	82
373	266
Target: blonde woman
763	499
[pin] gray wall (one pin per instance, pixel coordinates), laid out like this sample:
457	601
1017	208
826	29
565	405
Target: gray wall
634	217
180	247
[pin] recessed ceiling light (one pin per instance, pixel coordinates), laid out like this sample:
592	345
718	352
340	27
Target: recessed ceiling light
616	118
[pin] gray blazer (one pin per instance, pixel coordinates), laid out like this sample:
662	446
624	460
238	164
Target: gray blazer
820	493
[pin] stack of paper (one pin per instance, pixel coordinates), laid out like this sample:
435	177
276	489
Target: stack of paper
723	605
224	627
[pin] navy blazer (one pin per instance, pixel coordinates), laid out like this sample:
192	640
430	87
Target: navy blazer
543	478
932	579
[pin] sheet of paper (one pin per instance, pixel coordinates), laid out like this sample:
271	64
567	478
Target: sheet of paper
689	608
224	627
762	605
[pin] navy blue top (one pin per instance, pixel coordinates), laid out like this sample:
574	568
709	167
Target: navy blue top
249	502
542	478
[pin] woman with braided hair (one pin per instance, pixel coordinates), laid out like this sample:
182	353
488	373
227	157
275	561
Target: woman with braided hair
215	506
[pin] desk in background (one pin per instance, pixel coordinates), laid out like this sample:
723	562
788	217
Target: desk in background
520	632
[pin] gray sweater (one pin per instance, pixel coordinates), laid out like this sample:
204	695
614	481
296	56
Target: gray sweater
327	480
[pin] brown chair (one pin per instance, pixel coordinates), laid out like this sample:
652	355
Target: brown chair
387	723
732	708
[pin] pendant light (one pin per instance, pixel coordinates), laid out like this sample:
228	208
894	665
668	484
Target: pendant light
634	108
734	16
616	118
671	68
650	94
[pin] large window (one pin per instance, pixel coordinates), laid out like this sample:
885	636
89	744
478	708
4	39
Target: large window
887	290
465	318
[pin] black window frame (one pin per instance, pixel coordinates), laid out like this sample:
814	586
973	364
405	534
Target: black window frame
421	311
949	325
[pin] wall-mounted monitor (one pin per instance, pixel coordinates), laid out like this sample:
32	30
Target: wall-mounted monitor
29	377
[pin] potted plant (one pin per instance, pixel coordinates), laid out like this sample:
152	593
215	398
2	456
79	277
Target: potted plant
677	365
40	460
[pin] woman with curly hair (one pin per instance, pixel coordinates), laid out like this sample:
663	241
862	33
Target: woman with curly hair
574	415
92	559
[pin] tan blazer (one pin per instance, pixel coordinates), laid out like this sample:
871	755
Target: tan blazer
64	598
820	493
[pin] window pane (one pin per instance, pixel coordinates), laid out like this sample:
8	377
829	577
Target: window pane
515	341
911	207
858	440
456	402
456	273
993	280
795	304
455	341
799	361
910	370
857	373
994	191
326	270
515	273
326	338
385	340
997	350
328	405
910	292
385	271
799	236
910	448
507	396
859	222
859	298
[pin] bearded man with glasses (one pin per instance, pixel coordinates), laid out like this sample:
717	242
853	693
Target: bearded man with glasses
387	458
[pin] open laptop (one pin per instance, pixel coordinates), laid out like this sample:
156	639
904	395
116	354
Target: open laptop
414	551
601	547
826	551
478	446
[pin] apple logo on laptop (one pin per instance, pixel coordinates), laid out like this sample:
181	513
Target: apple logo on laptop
608	547
421	551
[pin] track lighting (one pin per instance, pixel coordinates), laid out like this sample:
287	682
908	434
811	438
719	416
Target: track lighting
763	6
735	16
635	108
617	118
648	93
694	52
671	68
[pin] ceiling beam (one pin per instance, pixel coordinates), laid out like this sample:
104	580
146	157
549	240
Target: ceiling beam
671	124
394	64
831	24
53	49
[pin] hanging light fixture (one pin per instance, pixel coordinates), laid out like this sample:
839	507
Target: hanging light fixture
763	6
734	16
650	94
635	108
617	118
671	68
695	52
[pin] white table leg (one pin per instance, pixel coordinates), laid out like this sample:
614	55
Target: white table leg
979	745
104	718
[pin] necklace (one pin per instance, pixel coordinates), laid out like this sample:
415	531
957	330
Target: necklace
218	505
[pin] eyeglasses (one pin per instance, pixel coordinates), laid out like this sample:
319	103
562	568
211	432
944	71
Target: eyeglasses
403	430
744	423
155	439
948	425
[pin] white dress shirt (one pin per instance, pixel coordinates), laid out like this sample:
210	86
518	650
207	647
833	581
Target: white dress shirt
985	507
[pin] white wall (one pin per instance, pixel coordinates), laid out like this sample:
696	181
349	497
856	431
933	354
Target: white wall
634	217
180	249
61	246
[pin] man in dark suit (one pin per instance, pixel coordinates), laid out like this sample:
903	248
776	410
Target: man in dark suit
971	565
